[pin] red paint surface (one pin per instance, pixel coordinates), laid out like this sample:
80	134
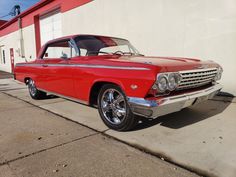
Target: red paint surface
28	16
37	33
77	82
12	59
2	22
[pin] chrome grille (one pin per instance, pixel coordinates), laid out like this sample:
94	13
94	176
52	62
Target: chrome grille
196	78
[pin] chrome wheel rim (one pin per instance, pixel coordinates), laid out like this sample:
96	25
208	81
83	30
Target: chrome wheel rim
113	106
32	88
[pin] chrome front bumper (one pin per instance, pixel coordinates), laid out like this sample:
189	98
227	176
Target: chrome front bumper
163	106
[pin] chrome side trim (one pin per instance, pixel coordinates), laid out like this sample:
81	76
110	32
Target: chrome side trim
158	107
142	102
86	66
65	97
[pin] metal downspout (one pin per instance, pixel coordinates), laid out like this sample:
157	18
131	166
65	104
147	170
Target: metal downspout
22	48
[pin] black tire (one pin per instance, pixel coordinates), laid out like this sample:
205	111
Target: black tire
34	92
116	114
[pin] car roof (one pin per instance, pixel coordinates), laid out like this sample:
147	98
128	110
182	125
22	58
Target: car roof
77	35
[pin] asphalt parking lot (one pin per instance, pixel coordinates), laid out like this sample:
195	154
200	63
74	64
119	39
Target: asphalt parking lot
200	138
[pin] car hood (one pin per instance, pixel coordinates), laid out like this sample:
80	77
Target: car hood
170	63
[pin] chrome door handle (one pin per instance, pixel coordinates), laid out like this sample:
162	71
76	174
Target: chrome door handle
45	65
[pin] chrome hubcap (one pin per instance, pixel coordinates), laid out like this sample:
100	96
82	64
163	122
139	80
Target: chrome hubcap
32	88
113	106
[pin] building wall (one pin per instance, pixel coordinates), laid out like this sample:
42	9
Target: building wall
12	40
2	22
10	34
29	43
6	42
204	29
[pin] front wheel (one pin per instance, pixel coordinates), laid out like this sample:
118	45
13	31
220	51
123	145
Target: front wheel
114	109
34	92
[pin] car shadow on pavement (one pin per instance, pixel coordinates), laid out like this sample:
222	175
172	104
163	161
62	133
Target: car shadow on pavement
48	97
187	116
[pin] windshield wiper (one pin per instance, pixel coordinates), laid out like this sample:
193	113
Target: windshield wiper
132	54
115	53
97	52
126	53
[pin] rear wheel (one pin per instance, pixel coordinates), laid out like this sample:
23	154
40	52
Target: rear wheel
114	109
34	92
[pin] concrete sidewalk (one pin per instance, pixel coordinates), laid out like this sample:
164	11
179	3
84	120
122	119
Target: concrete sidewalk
200	138
5	75
37	143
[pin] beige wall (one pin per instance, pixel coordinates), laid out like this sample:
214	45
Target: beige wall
204	29
8	42
29	43
12	40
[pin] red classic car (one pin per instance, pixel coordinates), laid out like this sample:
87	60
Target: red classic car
109	73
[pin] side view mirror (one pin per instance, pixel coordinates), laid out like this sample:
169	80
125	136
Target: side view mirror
46	55
64	56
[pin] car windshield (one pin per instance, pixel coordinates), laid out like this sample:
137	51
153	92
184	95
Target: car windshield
99	45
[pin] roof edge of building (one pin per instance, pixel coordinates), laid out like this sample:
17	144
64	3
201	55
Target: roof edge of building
2	22
26	12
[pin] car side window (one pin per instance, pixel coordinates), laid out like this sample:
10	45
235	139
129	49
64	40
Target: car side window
61	49
83	52
112	49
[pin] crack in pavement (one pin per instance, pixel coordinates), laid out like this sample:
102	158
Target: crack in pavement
12	170
6	90
32	104
11	109
46	149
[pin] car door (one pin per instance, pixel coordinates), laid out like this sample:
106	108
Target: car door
56	73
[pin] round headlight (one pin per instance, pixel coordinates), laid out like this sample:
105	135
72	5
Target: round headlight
162	83
219	74
172	81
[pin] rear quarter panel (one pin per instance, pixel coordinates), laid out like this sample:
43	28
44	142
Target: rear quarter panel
29	70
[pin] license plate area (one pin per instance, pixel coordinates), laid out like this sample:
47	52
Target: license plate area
200	99
189	102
